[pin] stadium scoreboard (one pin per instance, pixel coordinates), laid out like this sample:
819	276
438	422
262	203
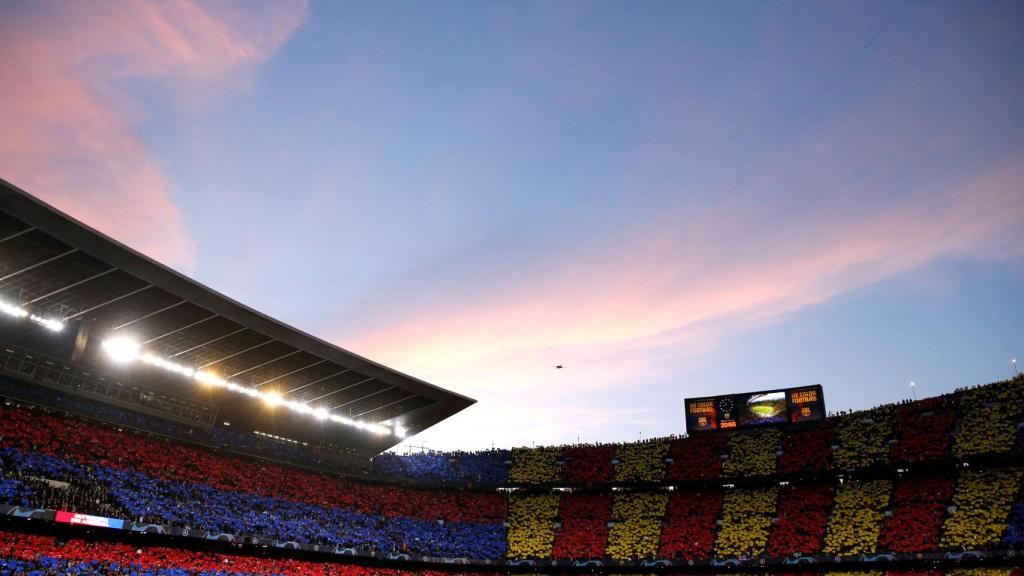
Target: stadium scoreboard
753	409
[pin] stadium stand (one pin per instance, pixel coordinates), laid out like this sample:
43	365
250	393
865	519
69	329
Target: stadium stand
991	418
982	507
588	464
63	462
802	518
918	505
45	555
752	454
642	461
535	466
531	525
924	429
807	449
155	481
746	520
636	531
863	438
689	530
697	457
857	517
584	530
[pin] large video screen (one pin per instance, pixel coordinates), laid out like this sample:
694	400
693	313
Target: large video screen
753	409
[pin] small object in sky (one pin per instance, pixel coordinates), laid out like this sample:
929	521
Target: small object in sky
559	367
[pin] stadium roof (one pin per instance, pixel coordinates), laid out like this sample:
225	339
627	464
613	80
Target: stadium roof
56	267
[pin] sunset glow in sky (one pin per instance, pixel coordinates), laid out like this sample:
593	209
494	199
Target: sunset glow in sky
668	198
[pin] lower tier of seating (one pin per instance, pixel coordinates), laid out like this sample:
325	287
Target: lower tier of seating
44	555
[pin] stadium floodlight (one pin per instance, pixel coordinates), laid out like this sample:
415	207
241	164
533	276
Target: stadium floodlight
271	398
51	324
209	379
168	365
121	349
13	309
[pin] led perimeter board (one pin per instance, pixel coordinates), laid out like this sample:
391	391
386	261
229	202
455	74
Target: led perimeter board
753	409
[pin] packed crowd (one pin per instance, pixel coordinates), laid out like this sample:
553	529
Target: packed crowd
222	437
584	526
981	501
689	530
864	438
924	429
910	431
857	515
588	465
642	461
58	462
697	457
980	420
991	418
746	520
487	468
153	481
752	454
918	505
802	518
636	529
531	525
535	465
37	555
807	449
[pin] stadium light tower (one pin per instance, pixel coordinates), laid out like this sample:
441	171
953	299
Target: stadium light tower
913	390
1015	372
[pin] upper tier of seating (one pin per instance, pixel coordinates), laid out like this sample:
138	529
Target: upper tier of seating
984	420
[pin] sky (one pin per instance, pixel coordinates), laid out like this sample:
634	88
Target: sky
670	199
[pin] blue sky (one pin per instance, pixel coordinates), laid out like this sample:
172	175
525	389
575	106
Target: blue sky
669	198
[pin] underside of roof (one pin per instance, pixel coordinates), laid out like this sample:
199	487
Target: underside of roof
56	267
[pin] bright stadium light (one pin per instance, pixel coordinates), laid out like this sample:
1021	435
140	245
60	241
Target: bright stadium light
49	323
121	350
17	311
12	310
168	365
209	379
271	398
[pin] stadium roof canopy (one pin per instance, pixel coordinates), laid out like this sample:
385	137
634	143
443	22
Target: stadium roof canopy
56	267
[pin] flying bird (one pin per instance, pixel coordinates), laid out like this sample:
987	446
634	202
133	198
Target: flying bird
559	367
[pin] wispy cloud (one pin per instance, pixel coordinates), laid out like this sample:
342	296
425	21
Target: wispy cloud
68	118
744	265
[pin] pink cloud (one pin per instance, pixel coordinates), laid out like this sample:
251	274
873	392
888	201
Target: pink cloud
67	122
616	332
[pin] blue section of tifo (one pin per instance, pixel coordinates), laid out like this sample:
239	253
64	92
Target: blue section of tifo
203	507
